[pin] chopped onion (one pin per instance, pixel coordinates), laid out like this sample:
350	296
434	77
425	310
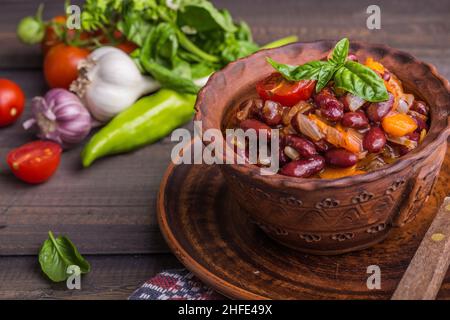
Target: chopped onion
291	153
60	117
405	102
404	141
353	102
300	107
308	127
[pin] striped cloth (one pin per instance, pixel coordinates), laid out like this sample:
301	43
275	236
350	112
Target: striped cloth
177	284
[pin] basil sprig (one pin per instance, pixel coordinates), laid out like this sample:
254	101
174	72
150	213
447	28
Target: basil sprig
57	254
350	76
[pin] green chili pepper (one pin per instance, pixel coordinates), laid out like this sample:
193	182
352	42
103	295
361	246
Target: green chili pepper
146	121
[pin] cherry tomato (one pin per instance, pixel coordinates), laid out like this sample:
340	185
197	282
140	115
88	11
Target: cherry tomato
288	93
12	102
35	162
117	39
127	46
51	38
61	65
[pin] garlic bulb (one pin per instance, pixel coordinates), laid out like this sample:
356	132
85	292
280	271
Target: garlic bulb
109	82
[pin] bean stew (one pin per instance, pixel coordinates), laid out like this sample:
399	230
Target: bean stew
337	117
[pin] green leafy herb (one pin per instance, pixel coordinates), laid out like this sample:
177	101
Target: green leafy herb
57	254
307	71
203	16
360	81
348	75
340	52
177	40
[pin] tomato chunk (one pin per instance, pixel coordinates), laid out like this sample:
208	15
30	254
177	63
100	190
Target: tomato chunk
35	162
288	93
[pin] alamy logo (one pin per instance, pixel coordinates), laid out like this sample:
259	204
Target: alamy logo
259	147
74	279
73	17
374	280
374	19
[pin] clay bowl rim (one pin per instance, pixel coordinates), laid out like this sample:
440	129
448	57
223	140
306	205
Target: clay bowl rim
279	180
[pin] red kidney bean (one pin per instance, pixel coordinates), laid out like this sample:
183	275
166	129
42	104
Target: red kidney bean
414	136
330	107
420	107
272	113
341	158
402	150
356	120
374	140
250	108
333	110
255	125
283	158
421	124
378	110
304	168
303	146
322	145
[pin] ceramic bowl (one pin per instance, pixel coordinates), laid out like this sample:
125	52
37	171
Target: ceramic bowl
332	216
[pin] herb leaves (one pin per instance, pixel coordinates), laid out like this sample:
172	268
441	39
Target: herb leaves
179	41
348	75
57	254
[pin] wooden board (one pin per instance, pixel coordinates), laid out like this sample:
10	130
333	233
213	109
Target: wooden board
112	277
110	208
215	239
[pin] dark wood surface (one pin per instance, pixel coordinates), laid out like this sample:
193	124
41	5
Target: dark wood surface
109	209
216	239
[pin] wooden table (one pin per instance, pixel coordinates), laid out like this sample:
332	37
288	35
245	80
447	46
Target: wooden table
108	210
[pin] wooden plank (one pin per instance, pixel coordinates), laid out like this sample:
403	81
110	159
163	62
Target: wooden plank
91	239
111	277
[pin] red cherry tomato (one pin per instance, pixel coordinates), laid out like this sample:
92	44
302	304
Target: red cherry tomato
51	38
288	93
35	162
127	46
61	65
12	102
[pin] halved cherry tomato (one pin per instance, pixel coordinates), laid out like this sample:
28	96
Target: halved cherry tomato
61	65
288	93
35	162
12	102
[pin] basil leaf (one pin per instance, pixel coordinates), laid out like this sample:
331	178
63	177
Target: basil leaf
203	16
308	71
360	81
57	254
340	52
325	75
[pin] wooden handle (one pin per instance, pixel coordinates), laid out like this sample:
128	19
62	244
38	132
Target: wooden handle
423	278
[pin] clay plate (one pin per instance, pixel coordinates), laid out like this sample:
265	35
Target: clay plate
212	236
